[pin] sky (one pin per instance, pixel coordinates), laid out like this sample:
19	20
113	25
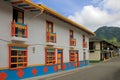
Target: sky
92	14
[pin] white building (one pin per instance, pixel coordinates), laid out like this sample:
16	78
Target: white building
36	40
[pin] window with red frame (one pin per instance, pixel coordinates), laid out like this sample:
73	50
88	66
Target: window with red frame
84	42
73	55
71	34
72	40
18	15
17	56
83	38
50	35
49	26
18	28
50	56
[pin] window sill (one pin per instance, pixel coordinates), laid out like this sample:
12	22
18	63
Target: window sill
19	38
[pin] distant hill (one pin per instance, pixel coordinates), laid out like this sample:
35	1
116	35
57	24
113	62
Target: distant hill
111	34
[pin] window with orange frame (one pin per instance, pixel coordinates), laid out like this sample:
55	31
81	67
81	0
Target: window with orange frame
50	56
50	35
84	42
18	55
72	40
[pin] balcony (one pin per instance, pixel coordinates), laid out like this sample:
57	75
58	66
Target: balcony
51	38
72	42
84	44
19	31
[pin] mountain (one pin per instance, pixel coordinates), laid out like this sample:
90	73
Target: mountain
111	34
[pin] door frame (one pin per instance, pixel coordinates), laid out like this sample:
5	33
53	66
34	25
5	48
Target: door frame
61	57
77	53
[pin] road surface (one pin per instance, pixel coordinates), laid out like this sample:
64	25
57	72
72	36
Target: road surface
109	70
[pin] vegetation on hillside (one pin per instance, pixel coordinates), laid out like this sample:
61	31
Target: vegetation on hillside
111	34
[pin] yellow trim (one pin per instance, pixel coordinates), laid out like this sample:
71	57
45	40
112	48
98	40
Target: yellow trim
25	67
36	65
20	45
60	48
4	68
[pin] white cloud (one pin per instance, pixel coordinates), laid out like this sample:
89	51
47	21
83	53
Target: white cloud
112	4
95	17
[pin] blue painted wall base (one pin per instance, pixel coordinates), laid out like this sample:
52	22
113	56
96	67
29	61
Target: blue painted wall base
38	71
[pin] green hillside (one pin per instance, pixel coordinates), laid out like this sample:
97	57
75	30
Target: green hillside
111	34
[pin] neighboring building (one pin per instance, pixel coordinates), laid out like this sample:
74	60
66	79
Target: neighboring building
36	41
101	50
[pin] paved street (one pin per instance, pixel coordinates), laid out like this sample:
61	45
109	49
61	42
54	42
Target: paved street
109	70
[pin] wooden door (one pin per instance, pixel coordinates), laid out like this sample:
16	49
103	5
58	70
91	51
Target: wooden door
76	58
59	58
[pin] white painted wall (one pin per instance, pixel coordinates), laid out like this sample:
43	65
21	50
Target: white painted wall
96	55
37	36
5	21
97	45
87	49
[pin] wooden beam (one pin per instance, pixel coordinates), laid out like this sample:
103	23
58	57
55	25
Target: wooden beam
23	5
28	8
7	0
17	2
34	10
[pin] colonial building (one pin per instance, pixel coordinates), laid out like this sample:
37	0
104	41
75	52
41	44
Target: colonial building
101	50
36	41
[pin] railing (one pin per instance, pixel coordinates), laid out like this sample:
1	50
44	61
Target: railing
84	44
72	42
51	37
19	30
